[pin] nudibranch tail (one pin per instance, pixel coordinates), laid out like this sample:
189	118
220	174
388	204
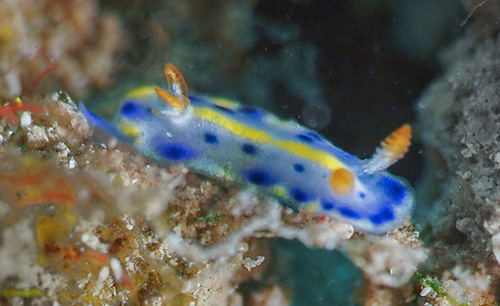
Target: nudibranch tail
392	149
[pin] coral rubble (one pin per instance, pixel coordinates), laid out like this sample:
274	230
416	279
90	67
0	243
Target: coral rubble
459	119
33	34
482	16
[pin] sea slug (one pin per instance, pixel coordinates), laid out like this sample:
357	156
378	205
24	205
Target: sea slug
244	144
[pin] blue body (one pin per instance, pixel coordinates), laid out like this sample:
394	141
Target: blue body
283	159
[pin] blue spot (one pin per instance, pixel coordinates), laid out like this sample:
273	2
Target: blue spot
224	109
250	111
328	205
349	213
129	108
394	189
383	216
299	195
362	195
249	148
259	177
299	168
305	137
211	138
174	152
386	214
196	100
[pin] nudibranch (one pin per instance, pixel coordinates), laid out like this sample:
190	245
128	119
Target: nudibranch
243	144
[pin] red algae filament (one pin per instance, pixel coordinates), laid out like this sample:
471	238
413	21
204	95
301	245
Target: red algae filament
52	67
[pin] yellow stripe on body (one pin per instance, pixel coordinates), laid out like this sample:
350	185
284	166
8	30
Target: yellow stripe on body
129	129
293	147
225	102
142	91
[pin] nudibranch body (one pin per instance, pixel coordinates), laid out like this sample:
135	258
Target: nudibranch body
243	144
